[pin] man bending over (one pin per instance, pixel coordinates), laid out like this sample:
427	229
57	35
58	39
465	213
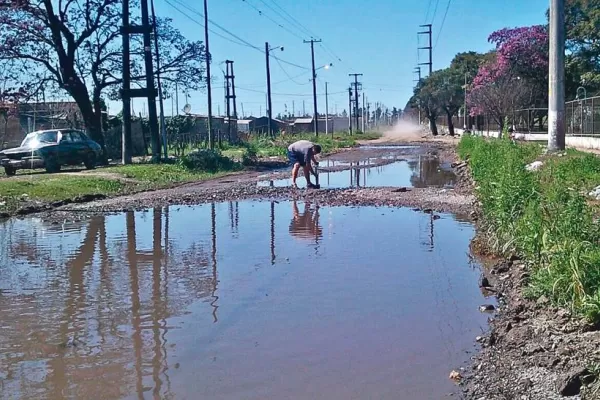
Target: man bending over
302	154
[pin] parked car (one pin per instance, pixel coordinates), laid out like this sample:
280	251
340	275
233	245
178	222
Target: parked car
51	149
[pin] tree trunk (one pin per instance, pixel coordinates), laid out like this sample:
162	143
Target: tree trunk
450	124
432	125
93	122
97	124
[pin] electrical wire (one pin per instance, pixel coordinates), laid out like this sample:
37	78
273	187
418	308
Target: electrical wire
289	76
245	43
262	14
428	9
437	3
442	25
286	94
292	19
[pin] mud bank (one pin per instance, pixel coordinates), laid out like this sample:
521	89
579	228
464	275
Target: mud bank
456	199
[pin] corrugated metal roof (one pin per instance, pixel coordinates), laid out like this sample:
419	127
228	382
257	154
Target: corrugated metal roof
303	120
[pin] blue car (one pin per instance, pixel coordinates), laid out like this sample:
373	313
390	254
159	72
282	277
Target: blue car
51	149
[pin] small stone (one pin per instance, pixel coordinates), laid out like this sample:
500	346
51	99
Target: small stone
400	190
484	283
487	308
570	383
479	339
455	376
542	300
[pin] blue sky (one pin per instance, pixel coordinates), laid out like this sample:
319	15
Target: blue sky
377	39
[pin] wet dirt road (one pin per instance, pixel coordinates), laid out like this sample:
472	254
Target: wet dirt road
273	294
248	300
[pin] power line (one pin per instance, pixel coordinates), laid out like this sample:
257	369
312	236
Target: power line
437	3
286	94
262	14
245	43
290	78
428	9
292	19
442	25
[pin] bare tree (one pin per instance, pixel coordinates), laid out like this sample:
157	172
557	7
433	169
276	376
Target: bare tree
75	45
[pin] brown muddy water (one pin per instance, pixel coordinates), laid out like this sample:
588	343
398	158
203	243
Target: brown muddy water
418	172
241	300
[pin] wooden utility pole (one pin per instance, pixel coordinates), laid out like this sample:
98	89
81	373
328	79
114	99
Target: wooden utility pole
269	102
350	110
356	106
556	99
314	82
429	48
125	94
230	95
150	90
211	139
327	112
227	106
163	127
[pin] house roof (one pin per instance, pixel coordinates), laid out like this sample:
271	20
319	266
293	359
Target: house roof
303	120
244	121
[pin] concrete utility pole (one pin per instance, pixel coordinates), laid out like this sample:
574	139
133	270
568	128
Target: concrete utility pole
465	106
355	84
230	95
556	98
314	82
163	125
269	115
227	102
211	139
418	71
327	112
363	113
429	48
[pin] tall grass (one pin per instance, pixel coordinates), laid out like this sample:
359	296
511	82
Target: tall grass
543	216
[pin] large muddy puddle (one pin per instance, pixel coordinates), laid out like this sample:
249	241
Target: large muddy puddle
248	300
378	172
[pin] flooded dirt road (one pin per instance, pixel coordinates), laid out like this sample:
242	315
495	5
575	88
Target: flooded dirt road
237	300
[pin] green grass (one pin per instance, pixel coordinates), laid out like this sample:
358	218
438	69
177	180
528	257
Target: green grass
544	216
160	175
57	187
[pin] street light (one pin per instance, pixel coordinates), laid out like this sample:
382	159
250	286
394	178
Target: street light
269	111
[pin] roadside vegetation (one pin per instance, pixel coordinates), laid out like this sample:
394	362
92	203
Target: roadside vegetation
543	216
195	166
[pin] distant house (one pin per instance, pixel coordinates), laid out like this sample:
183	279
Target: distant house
28	117
261	125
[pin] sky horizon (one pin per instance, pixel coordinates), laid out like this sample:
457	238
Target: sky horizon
378	40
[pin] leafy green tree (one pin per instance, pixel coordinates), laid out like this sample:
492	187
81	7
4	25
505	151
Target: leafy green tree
583	45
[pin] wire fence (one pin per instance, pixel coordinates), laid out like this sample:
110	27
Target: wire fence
583	117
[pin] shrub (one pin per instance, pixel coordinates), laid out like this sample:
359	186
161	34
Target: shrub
208	160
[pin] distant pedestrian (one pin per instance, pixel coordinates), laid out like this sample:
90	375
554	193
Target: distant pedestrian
302	154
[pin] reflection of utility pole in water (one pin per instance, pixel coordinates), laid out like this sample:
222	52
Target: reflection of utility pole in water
431	230
135	301
213	218
272	233
156	299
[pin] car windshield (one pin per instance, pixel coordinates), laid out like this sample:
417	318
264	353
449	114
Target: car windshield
33	139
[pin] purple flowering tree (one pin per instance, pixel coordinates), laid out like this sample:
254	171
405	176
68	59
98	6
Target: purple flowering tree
516	77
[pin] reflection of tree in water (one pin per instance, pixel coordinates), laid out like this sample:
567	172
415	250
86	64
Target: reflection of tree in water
108	298
305	225
427	172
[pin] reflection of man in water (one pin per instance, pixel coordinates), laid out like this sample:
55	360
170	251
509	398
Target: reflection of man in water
305	225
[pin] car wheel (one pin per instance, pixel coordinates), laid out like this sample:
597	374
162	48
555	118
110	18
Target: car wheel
52	166
90	161
10	171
